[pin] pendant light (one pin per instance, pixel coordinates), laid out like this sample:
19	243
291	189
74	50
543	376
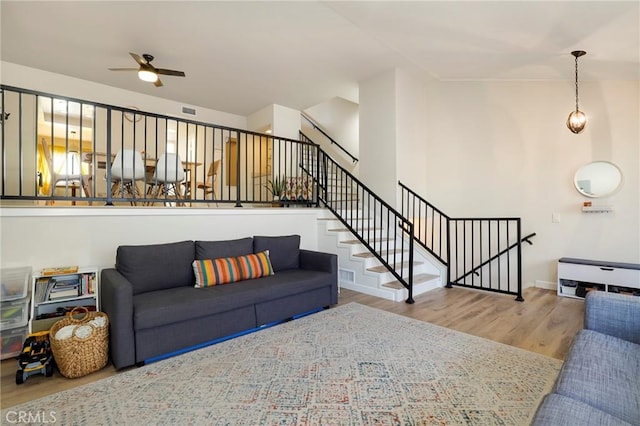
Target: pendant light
577	119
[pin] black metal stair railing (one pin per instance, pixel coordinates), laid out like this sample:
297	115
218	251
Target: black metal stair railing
375	224
331	140
478	252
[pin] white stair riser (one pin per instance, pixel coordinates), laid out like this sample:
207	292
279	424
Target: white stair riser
366	281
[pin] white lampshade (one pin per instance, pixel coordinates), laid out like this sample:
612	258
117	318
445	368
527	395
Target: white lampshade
146	75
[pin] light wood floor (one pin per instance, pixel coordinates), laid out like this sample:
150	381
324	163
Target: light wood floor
544	323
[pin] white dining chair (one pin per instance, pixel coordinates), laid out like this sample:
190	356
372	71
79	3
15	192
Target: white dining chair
127	169
168	176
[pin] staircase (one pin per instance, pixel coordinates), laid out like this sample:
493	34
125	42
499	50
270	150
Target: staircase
375	242
360	270
376	255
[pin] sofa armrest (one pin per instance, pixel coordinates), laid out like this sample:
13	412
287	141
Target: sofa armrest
323	262
614	314
116	300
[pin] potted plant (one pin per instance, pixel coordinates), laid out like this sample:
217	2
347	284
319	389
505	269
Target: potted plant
276	187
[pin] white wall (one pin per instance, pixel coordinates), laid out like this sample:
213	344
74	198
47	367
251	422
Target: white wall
261	120
286	122
340	119
378	134
412	155
393	131
503	149
58	84
43	237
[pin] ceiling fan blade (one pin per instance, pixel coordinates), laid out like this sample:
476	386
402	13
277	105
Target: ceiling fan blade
123	69
138	59
158	83
170	72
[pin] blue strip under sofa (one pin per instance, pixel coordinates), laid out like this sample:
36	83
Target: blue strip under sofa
599	383
154	308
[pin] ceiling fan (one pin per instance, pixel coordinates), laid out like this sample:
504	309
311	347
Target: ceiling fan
148	72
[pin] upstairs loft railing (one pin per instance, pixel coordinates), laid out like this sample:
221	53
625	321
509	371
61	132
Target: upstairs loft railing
56	148
375	224
481	253
329	138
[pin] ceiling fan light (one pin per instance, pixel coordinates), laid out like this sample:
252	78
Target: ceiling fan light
577	121
146	75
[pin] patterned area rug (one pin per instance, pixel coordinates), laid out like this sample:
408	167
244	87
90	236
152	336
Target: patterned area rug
351	365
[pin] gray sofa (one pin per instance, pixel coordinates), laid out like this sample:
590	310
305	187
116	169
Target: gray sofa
155	310
599	383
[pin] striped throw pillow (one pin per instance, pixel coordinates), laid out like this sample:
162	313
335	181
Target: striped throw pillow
224	270
255	265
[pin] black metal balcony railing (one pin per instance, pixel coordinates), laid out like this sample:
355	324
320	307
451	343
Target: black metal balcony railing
56	148
478	252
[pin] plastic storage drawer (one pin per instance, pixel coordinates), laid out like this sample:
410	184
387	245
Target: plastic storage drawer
12	341
14	283
14	314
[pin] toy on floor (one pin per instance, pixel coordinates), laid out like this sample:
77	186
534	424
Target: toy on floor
36	357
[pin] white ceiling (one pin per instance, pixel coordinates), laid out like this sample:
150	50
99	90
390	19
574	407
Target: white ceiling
241	56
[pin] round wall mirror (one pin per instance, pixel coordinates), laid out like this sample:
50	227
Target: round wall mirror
598	179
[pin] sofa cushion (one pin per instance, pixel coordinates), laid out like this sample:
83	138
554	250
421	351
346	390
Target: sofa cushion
602	371
181	304
228	248
175	305
156	266
284	251
210	272
558	410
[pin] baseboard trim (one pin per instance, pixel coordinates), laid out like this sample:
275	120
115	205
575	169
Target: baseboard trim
548	285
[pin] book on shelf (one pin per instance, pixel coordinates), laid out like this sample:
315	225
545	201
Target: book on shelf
42	285
63	290
89	284
59	270
64	287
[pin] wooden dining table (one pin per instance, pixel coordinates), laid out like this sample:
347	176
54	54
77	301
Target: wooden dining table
99	161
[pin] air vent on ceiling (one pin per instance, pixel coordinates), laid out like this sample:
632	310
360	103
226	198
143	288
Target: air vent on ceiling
187	110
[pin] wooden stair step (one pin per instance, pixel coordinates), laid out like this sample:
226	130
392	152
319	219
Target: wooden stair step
375	240
417	279
368	254
382	269
348	230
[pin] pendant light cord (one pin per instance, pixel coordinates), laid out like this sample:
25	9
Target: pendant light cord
576	83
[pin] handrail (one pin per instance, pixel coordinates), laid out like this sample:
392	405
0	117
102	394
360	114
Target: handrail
462	244
526	239
440	252
333	141
356	215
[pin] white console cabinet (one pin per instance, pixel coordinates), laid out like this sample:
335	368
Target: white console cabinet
576	277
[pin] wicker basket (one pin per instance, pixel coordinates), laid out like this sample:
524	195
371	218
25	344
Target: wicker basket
76	356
